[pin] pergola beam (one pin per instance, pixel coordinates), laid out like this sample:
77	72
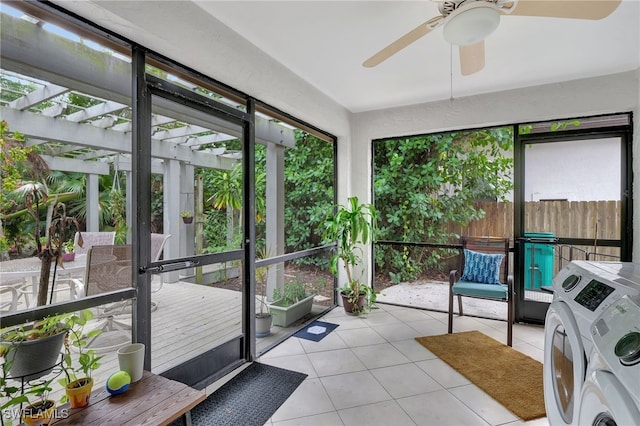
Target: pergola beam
108	107
40	127
72	165
39	95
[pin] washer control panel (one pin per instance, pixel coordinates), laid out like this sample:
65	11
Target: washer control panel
593	294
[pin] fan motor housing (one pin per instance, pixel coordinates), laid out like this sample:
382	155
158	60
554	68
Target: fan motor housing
447	7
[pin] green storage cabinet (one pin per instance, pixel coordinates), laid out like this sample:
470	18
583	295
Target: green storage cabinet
538	261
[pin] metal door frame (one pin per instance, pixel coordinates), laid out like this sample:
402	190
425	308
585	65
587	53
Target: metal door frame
533	311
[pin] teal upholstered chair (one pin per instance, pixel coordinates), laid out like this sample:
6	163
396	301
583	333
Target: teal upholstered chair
483	274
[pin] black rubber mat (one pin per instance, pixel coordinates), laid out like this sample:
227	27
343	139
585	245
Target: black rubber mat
250	398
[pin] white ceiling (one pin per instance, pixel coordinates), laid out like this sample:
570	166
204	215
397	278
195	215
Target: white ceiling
325	43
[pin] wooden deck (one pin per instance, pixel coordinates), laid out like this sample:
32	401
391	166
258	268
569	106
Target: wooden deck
189	320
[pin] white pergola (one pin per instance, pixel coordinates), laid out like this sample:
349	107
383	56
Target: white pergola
93	139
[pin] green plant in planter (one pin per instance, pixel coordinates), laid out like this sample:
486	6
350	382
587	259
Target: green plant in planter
29	351
33	348
351	226
68	246
78	381
294	291
291	303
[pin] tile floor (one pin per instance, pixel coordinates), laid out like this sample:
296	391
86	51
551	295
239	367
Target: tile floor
371	371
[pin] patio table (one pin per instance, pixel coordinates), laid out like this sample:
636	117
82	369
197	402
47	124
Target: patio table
20	270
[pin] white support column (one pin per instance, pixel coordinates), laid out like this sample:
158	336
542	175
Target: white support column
92	200
275	214
128	202
171	221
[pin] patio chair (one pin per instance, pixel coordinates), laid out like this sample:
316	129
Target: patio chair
10	287
485	275
109	269
90	239
157	247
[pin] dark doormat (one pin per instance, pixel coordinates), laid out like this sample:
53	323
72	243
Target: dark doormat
250	398
316	331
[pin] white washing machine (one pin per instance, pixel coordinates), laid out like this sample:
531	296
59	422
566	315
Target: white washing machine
583	293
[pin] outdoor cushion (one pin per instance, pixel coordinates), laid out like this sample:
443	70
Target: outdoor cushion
482	267
490	291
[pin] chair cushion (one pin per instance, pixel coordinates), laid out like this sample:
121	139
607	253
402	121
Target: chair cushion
482	267
490	291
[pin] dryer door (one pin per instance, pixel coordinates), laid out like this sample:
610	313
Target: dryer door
605	402
564	364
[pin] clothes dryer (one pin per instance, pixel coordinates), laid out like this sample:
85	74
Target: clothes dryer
583	291
611	392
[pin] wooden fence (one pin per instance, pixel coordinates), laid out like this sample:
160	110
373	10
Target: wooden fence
570	219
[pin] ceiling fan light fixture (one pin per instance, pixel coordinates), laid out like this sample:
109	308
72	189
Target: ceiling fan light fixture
471	24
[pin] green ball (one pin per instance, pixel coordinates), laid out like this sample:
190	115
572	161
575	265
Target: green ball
118	382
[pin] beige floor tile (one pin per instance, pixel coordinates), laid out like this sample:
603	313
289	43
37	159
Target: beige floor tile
372	368
354	389
300	363
405	380
413	350
382	355
395	332
428	327
360	337
384	413
310	398
482	404
442	373
439	408
338	361
330	342
324	419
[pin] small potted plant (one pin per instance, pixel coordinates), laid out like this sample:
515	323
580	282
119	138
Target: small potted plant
78	382
68	255
264	317
290	304
41	412
351	226
187	216
14	397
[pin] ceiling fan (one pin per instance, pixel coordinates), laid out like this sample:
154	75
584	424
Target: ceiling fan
467	23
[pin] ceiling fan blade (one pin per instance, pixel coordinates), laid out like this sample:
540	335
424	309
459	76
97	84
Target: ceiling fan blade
578	9
404	41
472	58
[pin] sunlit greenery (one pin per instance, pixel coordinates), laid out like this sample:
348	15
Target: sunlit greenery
422	183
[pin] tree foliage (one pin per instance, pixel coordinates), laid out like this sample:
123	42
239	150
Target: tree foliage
422	183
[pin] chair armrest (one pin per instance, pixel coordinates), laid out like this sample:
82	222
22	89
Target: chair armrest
76	287
453	277
13	305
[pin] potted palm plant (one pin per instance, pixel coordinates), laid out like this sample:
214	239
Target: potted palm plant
351	226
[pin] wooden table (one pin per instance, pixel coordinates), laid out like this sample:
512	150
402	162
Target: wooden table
154	400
